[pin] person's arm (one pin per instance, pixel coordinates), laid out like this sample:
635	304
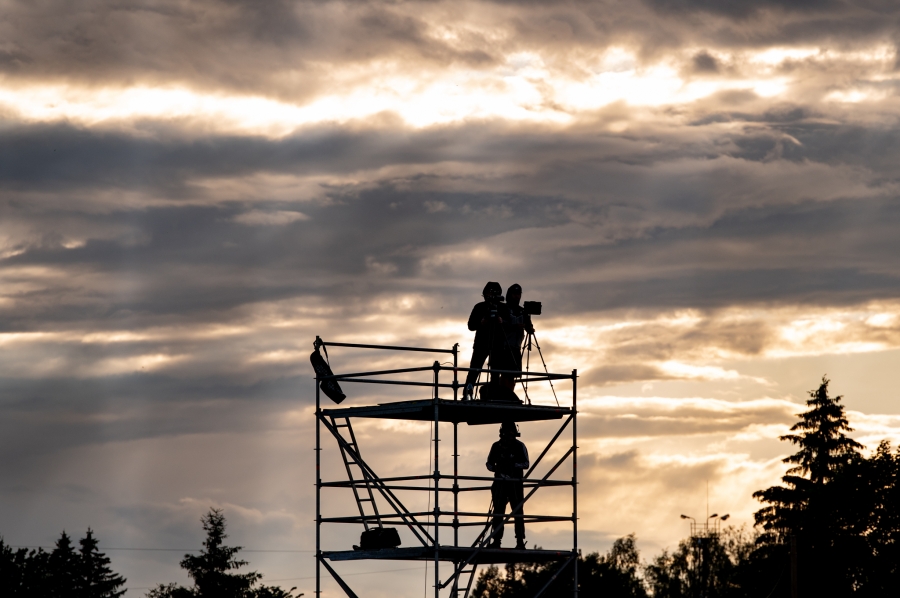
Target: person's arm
476	316
525	463
491	462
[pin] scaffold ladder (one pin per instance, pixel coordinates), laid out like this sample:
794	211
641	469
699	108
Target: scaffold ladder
349	463
468	588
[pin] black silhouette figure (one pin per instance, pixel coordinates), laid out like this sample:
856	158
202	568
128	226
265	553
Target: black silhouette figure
516	323
486	320
508	460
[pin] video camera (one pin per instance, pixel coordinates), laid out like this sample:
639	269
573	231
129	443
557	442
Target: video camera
493	302
532	308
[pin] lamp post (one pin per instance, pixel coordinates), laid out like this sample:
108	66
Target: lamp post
715	524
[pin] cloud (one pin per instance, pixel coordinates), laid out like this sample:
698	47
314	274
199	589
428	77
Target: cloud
274	218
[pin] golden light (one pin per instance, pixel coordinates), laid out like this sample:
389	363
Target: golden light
524	88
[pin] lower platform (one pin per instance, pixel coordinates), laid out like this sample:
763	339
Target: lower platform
470	412
456	554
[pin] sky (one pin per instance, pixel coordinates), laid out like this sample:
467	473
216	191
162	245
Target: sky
702	194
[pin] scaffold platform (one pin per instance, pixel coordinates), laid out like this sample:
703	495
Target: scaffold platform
455	554
470	412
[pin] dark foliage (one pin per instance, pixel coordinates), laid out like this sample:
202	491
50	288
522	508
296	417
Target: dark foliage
63	572
841	509
836	505
613	574
214	570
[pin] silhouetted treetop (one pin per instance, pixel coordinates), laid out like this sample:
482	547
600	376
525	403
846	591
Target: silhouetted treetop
213	570
823	446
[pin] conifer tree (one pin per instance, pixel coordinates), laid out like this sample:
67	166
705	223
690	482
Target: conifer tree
811	506
63	567
95	577
211	569
824	450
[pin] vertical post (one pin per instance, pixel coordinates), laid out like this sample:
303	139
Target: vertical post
575	479
795	592
454	592
437	482
455	484
455	373
318	494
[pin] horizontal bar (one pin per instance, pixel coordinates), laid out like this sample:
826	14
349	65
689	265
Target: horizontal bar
398	382
527	518
430	477
388	347
376	373
534	519
409	478
532	376
362	484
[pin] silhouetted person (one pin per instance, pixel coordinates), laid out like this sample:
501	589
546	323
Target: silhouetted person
508	460
515	325
486	321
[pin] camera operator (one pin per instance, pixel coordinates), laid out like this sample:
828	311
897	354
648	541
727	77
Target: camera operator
517	322
486	320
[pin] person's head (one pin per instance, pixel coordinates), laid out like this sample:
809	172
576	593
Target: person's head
508	431
514	294
493	290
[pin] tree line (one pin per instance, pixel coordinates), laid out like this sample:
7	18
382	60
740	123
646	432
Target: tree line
832	528
66	572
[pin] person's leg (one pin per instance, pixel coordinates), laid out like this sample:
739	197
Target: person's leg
479	354
518	492
498	495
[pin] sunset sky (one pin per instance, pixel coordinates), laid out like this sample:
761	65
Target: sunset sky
704	196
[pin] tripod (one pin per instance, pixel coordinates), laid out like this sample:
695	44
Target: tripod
530	339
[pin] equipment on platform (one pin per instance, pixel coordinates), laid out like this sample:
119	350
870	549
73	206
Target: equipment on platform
329	386
532	308
378	538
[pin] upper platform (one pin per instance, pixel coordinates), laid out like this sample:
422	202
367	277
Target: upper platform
470	412
456	554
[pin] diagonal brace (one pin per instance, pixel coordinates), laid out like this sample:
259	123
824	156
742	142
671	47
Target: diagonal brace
506	518
555	575
338	579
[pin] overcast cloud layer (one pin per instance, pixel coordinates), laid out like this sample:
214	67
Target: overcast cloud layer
704	196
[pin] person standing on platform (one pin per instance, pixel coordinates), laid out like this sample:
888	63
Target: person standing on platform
486	321
515	325
508	460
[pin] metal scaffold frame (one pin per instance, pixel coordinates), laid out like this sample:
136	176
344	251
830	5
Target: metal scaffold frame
366	485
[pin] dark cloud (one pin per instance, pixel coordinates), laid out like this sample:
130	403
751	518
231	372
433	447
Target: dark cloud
704	62
288	49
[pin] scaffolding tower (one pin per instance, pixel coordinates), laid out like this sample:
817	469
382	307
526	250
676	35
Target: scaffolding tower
368	488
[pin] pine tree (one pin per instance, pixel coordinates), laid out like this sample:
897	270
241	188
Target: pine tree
824	450
96	579
211	570
63	565
812	505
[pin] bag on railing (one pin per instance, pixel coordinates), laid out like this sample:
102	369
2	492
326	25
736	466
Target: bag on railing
378	538
331	388
495	392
